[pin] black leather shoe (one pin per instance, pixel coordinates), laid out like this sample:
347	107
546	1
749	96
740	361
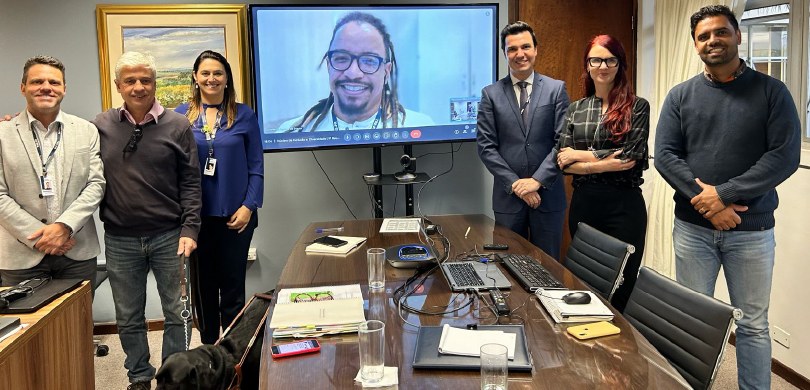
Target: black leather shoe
140	386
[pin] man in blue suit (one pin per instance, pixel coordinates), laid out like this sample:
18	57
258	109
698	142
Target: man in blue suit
519	121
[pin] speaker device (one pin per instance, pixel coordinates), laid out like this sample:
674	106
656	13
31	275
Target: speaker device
409	255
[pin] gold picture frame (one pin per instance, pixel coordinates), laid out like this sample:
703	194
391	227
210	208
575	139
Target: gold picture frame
163	30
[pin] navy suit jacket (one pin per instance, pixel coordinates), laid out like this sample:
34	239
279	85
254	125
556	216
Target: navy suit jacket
510	151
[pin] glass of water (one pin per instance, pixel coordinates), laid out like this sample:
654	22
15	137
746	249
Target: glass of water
372	350
376	268
493	367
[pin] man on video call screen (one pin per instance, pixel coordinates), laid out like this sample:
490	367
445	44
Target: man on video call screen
362	82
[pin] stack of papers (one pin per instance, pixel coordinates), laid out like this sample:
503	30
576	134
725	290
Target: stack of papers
456	341
563	312
321	249
317	311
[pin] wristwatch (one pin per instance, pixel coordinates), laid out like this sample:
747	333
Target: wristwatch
70	229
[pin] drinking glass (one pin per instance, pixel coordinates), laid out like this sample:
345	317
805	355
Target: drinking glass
493	367
376	268
372	350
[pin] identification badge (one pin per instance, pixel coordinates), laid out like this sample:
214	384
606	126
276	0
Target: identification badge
210	166
46	186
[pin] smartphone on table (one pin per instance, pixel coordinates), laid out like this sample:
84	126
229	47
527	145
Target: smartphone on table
331	241
596	329
295	348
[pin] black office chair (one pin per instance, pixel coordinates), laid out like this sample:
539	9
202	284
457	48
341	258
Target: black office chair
598	259
689	328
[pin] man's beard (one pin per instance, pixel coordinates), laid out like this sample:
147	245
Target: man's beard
728	56
352	106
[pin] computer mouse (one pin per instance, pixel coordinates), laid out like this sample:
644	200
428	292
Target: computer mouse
577	298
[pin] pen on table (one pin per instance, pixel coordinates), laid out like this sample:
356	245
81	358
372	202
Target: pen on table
468	232
329	230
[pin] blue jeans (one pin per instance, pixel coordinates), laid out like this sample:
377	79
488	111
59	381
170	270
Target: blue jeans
747	258
129	260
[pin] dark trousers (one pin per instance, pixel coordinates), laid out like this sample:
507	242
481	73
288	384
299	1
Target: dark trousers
543	229
619	212
222	256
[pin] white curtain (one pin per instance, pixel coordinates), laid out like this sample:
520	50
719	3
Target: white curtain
675	61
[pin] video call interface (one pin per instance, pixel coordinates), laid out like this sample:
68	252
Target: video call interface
444	56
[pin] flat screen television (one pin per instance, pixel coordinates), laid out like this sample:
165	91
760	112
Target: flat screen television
315	89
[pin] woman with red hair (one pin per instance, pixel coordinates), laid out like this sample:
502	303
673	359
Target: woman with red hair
604	145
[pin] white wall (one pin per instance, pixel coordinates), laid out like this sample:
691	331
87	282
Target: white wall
788	297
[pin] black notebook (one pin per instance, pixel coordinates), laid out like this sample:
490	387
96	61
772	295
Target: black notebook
42	295
427	354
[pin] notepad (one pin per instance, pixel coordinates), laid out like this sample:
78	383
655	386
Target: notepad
317	311
352	243
464	342
564	313
401	225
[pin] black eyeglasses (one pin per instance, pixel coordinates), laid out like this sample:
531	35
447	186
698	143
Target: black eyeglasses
132	145
596	62
341	60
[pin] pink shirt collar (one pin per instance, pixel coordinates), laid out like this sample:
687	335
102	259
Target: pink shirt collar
154	113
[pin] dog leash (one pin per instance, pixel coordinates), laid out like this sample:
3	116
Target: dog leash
236	381
186	313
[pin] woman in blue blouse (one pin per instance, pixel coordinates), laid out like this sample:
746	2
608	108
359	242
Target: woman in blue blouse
232	164
604	145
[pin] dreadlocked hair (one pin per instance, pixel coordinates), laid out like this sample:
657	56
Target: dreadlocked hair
392	110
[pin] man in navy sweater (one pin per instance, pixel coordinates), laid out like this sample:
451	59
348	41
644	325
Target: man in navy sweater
725	139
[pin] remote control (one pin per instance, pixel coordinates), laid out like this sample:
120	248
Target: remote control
500	303
496	247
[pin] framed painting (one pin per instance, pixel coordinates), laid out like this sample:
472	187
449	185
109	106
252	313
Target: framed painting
175	35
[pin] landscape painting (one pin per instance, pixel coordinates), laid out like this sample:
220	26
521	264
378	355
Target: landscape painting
174	49
175	34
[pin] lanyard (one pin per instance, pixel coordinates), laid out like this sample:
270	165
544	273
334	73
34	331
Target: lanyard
210	135
45	162
373	125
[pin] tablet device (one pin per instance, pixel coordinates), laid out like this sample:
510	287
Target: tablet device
427	356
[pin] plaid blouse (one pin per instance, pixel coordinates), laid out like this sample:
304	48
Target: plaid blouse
583	131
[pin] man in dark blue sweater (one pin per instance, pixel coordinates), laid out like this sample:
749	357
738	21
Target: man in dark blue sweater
725	139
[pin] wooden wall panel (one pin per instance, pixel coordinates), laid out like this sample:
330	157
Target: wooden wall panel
563	28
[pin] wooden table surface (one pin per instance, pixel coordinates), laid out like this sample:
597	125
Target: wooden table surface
55	349
624	361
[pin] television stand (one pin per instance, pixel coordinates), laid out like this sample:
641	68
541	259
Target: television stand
390	179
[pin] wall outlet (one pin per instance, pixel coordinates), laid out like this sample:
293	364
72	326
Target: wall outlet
780	336
251	254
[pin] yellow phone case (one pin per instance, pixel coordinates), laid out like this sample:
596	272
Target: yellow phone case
596	329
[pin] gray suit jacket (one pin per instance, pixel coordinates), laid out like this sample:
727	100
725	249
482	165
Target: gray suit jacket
510	151
23	209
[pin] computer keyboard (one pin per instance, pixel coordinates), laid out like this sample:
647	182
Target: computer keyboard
464	274
529	272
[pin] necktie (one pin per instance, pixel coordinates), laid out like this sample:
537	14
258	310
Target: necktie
524	103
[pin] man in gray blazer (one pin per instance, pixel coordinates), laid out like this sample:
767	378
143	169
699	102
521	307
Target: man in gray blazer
51	182
519	121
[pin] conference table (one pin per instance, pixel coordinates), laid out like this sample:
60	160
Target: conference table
560	361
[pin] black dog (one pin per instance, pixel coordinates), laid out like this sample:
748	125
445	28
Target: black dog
212	367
